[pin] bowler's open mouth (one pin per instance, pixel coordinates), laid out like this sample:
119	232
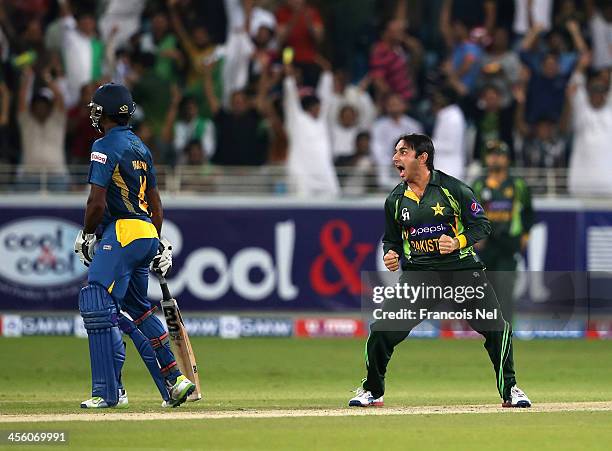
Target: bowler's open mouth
401	169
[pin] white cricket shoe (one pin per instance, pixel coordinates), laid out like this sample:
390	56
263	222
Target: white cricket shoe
364	398
179	392
98	403
123	399
518	398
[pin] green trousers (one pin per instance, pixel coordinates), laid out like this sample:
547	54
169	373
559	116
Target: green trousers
497	334
501	270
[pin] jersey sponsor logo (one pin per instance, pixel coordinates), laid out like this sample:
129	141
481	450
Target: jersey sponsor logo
475	207
139	164
509	192
428	230
405	214
99	157
38	252
427	246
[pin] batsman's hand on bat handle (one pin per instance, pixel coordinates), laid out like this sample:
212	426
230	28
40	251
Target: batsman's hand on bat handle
448	244
84	246
391	260
162	262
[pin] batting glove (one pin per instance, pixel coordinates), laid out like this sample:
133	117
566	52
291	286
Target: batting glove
162	262
84	246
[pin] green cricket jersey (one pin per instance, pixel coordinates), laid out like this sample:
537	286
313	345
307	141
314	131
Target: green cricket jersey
508	207
413	226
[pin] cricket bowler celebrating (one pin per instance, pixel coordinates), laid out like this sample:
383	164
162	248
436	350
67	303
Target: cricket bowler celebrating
451	221
125	202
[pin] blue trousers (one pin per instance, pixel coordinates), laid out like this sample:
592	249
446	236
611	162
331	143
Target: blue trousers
121	266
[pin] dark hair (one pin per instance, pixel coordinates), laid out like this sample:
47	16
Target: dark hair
363	134
83	13
420	144
347	107
39	98
545	117
309	101
551	54
491	86
191	143
145	59
448	93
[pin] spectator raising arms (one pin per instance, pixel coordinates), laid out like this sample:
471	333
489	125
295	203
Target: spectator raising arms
160	42
200	51
242	139
392	62
310	167
591	160
355	96
600	26
42	126
547	82
466	53
301	28
185	124
82	50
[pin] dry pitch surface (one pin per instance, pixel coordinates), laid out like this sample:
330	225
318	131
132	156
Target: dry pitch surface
286	413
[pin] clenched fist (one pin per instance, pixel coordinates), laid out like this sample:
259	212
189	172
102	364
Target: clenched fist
448	244
391	260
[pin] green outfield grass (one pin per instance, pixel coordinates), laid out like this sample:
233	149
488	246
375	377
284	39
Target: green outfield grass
51	375
541	431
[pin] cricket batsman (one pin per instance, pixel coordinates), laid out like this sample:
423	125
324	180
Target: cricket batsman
432	222
125	203
507	203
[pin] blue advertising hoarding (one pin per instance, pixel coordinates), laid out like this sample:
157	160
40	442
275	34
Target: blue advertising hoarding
253	256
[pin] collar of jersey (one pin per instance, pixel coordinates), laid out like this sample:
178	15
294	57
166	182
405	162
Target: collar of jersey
434	179
119	128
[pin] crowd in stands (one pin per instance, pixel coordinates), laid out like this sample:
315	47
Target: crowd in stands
314	85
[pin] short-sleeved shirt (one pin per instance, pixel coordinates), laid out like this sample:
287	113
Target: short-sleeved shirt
122	163
472	52
392	65
300	38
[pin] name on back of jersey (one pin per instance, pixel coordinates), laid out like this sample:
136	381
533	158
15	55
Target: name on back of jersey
139	164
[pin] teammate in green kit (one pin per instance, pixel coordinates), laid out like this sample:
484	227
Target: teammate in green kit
432	222
507	204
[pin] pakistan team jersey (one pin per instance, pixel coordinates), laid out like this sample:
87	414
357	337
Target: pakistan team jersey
413	226
121	163
508	207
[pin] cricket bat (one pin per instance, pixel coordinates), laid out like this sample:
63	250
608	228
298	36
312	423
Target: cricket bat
179	340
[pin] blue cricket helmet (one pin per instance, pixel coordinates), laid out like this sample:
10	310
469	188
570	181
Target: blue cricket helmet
112	100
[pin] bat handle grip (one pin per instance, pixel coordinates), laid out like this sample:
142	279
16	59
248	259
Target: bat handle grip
164	288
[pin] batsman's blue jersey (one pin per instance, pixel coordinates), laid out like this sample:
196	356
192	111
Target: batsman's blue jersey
121	163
